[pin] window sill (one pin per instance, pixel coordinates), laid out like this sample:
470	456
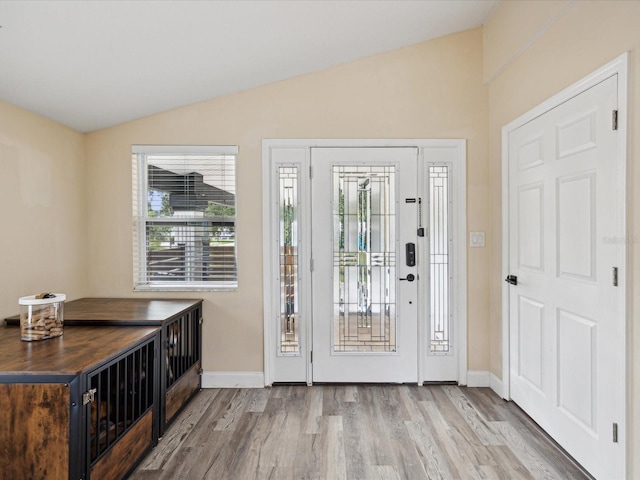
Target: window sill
185	288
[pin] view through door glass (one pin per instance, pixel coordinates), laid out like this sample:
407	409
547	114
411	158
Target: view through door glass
364	258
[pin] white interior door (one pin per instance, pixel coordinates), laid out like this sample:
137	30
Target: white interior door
364	215
566	320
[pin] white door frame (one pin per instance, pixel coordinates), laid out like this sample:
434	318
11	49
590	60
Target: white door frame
455	152
618	66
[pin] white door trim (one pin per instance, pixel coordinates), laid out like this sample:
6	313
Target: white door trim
618	66
457	148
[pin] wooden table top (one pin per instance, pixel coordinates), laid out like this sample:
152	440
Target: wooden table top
119	311
77	350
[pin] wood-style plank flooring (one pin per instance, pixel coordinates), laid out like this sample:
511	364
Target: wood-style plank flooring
354	432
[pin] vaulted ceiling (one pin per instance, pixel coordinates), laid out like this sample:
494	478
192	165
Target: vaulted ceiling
93	64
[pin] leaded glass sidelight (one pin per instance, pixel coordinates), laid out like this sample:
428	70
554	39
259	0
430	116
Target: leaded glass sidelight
439	259
364	251
289	328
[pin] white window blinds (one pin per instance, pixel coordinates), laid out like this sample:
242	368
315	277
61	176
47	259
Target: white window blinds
184	208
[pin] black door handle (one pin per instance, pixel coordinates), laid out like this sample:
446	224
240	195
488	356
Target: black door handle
410	278
511	279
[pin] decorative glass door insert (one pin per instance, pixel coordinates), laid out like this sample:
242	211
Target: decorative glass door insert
289	336
439	259
364	258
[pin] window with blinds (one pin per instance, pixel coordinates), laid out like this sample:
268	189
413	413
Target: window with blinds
184	210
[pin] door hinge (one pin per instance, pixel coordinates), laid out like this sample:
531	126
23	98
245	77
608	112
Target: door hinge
89	397
615	276
310	172
200	371
615	433
311	264
614	120
311	356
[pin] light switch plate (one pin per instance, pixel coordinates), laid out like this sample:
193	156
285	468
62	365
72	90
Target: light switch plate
476	239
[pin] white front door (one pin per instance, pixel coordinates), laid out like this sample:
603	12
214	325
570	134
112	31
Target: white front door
364	279
335	249
567	347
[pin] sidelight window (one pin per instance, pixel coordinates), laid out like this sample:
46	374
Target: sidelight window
288	245
439	258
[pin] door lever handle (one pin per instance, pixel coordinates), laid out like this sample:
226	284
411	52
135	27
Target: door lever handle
511	279
409	278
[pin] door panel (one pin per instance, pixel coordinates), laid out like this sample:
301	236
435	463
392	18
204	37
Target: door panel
564	310
530	232
576	226
577	368
531	341
364	317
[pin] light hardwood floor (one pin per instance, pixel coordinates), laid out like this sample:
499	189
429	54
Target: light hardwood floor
354	432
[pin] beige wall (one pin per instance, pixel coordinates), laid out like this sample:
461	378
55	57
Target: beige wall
431	90
588	35
513	27
42	190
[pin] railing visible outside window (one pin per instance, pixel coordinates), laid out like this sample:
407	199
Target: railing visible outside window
184	211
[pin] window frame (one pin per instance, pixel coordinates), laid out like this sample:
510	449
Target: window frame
141	217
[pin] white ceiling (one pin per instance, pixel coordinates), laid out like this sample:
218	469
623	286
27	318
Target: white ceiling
93	64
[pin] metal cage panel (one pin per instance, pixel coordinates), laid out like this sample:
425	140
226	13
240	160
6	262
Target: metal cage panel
122	391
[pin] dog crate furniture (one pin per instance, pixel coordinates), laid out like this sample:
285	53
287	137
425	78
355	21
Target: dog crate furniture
83	405
181	340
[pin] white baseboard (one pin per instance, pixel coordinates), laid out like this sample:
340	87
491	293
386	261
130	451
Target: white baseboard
497	386
233	380
475	378
484	378
478	378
